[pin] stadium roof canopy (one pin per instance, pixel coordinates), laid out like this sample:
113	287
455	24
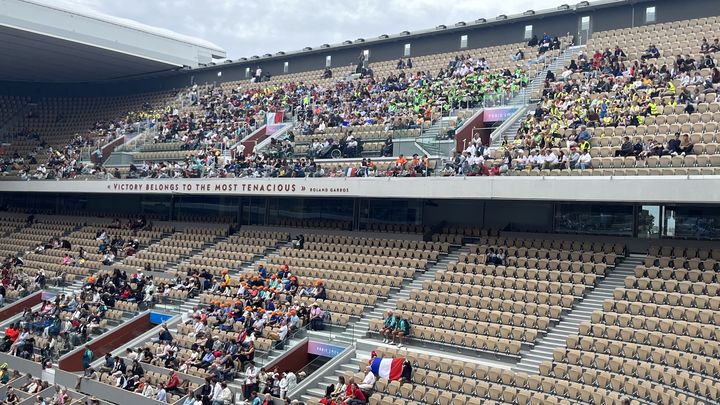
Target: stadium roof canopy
44	42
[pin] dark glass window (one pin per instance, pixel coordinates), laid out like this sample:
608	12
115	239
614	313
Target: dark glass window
594	219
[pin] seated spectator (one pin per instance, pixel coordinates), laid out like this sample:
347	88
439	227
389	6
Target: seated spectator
320	293
173	383
626	148
550	160
652	52
585	160
519	55
388	327
316	317
533	41
161	395
368	382
400	162
164	335
356	395
686	147
619	54
299	242
715	47
704	46
583	135
11	397
402	329
108	364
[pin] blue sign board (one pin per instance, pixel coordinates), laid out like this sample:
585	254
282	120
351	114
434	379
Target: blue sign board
156	318
324	349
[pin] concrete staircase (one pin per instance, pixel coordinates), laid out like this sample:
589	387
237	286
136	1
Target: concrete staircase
430	144
359	329
593	301
509	128
313	395
526	95
404	293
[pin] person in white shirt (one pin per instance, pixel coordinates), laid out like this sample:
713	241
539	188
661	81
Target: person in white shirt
534	161
521	161
283	386
282	333
369	381
292	380
217	394
161	395
352	142
251	374
471	149
585	160
226	395
551	160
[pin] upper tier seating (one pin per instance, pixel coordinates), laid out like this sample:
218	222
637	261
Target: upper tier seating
632	106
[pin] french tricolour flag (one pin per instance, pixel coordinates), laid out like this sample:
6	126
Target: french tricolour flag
273	118
389	368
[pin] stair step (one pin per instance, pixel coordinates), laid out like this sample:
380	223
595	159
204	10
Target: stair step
316	392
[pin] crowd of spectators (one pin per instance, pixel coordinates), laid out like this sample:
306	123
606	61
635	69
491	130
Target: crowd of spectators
34	386
63	323
610	92
48	162
260	305
264	307
406	100
105	131
16	280
216	119
351	392
263	165
402	101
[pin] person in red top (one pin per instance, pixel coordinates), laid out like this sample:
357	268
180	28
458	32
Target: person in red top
173	383
11	335
357	397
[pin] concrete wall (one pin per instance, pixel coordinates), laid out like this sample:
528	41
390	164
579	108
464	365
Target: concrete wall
20	305
641	189
464	134
21	365
294	360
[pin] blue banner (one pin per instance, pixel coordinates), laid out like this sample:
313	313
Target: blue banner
324	349
499	114
157	318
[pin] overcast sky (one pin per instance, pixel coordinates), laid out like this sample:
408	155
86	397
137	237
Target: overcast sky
251	27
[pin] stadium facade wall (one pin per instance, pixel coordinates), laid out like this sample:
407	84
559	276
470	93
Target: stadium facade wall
618	217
